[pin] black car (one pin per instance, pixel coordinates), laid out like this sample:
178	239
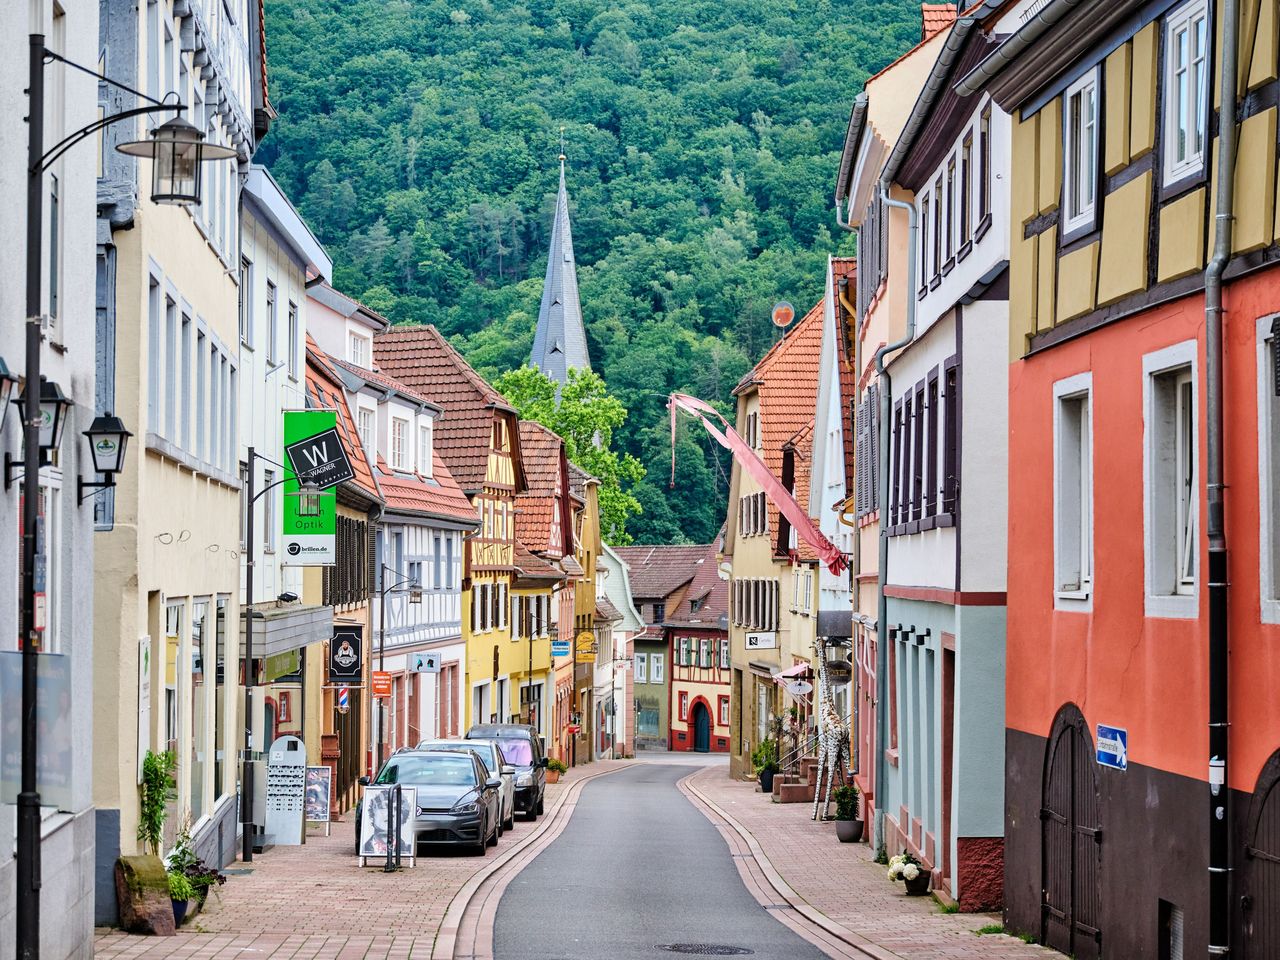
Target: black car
458	800
522	747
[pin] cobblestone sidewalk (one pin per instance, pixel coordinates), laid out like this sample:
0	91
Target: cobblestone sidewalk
843	882
315	901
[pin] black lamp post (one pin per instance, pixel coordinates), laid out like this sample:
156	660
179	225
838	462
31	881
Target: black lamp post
415	596
44	417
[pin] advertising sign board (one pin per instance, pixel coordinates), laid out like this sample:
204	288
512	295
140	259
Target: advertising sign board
380	681
375	814
761	641
424	662
585	647
345	656
313	454
319	793
286	791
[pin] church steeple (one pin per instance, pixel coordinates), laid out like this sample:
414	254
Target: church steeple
560	341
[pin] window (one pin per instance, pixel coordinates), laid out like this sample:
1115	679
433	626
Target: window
949	240
752	433
937	229
424	448
1073	488
724	711
358	350
659	612
170	368
984	169
951	440
294	353
1171	496
203	413
1269	463
437	559
272	325
184	369
966	198
246	302
917	454
925	236
398	429
704	653
724	654
153	356
365	419
931	458
448	563
1186	90
656	665
268	512
684	705
1080	169
867	452
642	668
415	573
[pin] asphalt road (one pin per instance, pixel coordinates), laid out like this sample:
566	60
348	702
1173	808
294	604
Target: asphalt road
636	868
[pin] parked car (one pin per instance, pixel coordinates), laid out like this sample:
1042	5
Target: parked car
522	747
490	752
458	800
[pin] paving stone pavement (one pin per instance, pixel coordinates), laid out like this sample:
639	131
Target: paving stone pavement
843	881
314	902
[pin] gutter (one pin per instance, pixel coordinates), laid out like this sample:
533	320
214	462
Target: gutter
882	602
1053	13
1220	868
852	141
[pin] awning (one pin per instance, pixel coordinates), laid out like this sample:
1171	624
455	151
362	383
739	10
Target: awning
835	623
800	671
289	626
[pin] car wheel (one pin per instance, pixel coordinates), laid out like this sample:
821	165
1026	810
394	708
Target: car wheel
510	823
357	831
500	829
493	837
541	799
483	841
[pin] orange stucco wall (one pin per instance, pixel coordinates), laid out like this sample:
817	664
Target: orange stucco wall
1119	667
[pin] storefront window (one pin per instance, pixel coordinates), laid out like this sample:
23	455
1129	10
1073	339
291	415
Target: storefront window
199	705
219	701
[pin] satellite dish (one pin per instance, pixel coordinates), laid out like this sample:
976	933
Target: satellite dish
799	688
783	313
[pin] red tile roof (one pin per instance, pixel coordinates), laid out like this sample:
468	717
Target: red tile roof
936	17
658	571
421	358
532	567
916	49
324	390
435	496
379	379
708	590
543	452
786	383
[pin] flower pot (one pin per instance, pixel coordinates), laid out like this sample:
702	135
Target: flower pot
849	831
179	911
918	886
766	781
553	776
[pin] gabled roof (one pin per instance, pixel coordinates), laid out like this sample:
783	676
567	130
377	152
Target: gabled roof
657	571
543	452
383	382
935	17
422	359
708	591
560	340
435	496
324	390
529	566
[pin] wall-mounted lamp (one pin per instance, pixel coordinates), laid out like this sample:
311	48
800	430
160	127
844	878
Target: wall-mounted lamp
176	150
415	594
8	384
54	407
108	440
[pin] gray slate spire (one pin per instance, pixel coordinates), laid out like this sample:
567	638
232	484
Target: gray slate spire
560	342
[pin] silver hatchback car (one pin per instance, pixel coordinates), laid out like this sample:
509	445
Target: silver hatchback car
490	751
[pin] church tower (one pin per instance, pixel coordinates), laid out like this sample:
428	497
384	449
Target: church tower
560	341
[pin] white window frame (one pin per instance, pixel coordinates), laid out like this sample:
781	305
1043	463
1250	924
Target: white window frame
1184	601
425	438
396	443
358	350
1078	387
1183	20
1268	475
1086	215
366	435
657	668
642	668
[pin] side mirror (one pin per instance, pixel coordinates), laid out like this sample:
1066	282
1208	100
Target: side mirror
493	783
364	781
542	762
508	771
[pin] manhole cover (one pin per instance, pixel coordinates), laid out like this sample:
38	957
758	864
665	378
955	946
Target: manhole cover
706	949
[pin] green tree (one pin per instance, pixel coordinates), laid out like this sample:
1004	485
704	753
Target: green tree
584	416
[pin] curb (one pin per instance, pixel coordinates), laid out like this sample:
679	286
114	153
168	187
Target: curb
553	824
806	913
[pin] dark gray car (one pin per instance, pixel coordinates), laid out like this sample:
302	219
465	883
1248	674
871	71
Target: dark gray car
522	747
458	800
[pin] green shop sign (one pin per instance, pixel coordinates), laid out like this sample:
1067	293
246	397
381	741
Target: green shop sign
313	454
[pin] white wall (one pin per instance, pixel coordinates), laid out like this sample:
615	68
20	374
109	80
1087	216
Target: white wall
984	447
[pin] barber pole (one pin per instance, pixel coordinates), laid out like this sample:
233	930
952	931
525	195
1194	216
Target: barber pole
344	699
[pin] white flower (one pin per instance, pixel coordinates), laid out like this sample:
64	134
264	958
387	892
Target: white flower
910	871
893	872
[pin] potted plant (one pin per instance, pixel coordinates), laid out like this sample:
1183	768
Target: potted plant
848	823
555	767
181	893
183	859
911	872
765	758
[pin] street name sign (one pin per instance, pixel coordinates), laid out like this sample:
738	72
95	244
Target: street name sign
560	648
313	453
1113	747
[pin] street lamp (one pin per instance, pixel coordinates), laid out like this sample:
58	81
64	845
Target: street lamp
51	420
415	596
107	442
42	425
176	150
308	500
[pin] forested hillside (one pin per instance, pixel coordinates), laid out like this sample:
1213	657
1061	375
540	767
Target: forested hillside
702	140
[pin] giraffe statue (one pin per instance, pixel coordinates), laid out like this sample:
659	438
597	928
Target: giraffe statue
833	739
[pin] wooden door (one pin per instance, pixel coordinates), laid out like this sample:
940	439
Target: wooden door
1071	846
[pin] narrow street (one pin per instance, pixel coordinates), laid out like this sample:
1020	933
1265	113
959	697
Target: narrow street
636	869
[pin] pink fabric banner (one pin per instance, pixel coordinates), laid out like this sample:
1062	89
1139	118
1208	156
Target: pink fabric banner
728	438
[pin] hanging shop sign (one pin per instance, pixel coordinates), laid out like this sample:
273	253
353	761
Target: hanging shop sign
380	683
424	662
346	656
313	454
585	647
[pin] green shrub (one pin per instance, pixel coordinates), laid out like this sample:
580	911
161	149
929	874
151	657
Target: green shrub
157	790
557	765
989	928
846	802
765	757
180	887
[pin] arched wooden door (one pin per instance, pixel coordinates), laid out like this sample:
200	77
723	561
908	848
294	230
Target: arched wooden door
1260	903
701	728
1070	842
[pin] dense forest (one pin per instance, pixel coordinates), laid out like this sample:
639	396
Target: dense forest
419	139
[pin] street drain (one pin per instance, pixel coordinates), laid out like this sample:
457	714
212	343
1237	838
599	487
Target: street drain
706	949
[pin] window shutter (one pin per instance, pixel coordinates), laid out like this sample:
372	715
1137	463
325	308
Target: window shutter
1275	353
950	451
873	443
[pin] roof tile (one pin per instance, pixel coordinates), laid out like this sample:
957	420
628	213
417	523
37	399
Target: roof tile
657	571
324	389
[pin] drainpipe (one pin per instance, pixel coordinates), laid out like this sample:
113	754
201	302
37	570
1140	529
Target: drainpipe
882	603
855	564
1219	791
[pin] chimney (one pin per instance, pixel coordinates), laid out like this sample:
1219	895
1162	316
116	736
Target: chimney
935	17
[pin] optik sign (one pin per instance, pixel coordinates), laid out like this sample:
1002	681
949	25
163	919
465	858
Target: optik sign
312	453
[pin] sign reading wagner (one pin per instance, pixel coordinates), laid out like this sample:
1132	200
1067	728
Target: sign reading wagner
345	656
313	453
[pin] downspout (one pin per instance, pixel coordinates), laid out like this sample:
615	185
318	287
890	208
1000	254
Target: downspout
882	569
855	562
1219	714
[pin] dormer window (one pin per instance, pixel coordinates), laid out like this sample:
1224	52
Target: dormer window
1186	90
397	453
358	350
424	447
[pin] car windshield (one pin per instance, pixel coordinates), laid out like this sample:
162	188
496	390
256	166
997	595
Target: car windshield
486	751
429	771
518	753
